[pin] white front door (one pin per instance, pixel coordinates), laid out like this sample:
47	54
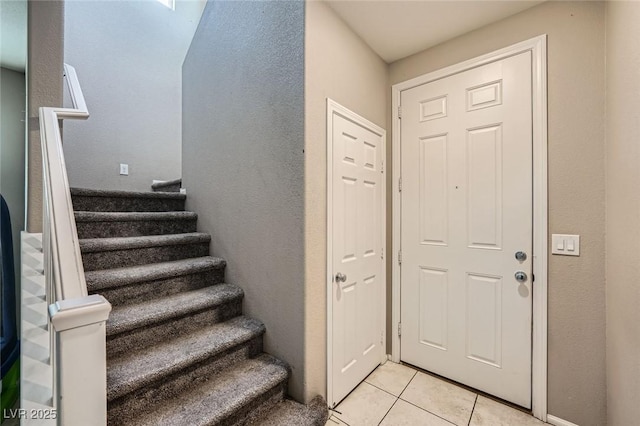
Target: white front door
466	143
356	263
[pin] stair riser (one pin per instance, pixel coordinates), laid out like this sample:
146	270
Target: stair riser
138	401
140	256
257	408
143	291
126	204
134	228
144	337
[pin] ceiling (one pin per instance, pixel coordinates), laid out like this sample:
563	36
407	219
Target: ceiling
395	29
13	34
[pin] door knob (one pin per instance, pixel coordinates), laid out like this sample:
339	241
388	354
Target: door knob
521	256
340	277
521	276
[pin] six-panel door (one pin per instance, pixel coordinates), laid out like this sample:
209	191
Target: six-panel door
466	143
357	253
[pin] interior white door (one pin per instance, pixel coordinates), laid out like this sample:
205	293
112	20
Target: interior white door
466	143
357	258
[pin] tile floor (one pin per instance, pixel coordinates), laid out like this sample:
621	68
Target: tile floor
397	395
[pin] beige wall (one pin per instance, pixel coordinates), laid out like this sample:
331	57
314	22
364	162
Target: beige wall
576	372
623	212
45	28
338	65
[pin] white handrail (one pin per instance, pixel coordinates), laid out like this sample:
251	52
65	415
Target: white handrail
77	98
78	330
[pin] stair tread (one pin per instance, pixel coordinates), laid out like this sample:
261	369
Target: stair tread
168	353
89	216
130	317
90	245
87	192
215	400
118	277
290	412
134	370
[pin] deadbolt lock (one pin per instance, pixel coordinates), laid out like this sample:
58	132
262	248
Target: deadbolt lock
521	256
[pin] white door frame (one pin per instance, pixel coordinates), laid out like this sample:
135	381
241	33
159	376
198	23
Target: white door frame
538	48
334	107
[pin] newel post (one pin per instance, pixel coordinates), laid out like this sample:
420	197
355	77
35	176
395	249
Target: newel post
81	359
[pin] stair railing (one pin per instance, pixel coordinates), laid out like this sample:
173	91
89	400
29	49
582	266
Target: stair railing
77	321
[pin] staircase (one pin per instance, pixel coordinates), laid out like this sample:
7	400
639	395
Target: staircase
179	350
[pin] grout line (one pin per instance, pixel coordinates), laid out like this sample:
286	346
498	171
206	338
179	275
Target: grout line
387	413
339	420
444	379
336	416
350	392
383	390
470	389
415	373
472	410
440	417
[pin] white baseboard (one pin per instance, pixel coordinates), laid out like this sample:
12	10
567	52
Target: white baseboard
557	421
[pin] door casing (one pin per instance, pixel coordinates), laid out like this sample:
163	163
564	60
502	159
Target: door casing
334	107
538	48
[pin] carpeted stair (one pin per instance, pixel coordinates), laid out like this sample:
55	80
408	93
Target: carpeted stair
179	350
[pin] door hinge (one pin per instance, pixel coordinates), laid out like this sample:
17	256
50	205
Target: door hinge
382	253
533	278
399	184
399	329
399	112
400	257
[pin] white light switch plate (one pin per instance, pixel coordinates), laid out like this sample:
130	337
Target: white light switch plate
568	245
124	169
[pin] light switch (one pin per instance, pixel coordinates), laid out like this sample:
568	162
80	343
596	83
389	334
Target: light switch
568	245
124	169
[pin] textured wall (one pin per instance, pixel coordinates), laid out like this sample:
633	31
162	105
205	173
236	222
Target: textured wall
338	65
12	155
44	89
243	159
128	55
623	211
576	380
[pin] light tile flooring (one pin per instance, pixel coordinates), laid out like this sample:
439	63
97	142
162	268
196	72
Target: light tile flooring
398	395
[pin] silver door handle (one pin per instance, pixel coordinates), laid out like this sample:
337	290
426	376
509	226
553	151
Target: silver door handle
521	256
521	276
340	277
